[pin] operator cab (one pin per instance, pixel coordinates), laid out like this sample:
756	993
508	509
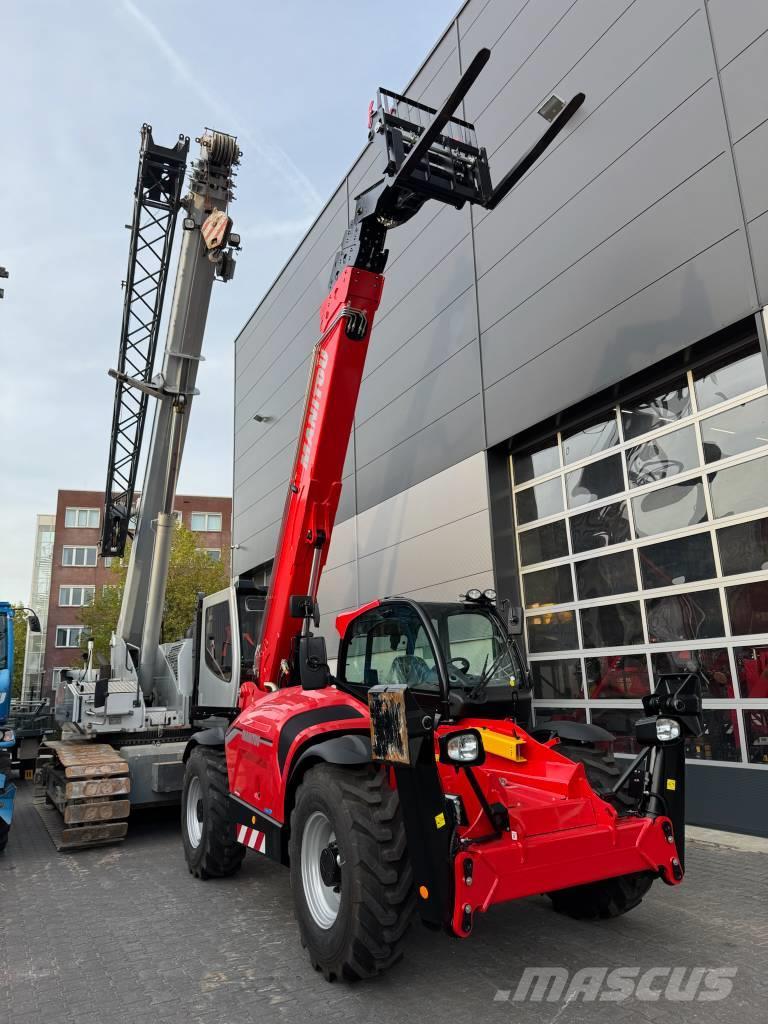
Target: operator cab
455	654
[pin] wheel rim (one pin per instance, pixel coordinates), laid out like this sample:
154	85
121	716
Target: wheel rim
323	900
194	814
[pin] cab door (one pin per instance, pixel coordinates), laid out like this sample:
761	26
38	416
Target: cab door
219	660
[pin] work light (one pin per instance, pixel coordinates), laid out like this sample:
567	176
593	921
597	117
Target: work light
462	748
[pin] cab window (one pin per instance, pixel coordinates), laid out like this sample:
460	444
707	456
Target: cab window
390	645
217	634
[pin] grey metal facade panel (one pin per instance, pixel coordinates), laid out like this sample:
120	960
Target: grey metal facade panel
744	88
713	289
758	236
736	24
443	443
751	155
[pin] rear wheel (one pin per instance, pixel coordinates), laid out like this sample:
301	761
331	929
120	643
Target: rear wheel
207	827
5	828
350	875
610	897
603	771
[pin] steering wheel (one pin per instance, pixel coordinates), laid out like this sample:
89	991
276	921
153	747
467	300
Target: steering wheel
461	663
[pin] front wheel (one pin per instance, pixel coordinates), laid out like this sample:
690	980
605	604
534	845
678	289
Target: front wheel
611	897
207	827
350	875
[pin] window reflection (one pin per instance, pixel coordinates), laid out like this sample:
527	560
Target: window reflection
756	730
744	547
548	586
713	666
557	680
748	608
684	617
600	527
617	676
539	501
621	722
682	560
610	574
728	378
669	508
739	488
613	625
597	437
662	458
552	631
594	481
719	741
735	430
536	462
543	543
653	411
752	671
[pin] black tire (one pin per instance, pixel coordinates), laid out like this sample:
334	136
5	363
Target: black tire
611	897
216	852
603	771
5	828
376	892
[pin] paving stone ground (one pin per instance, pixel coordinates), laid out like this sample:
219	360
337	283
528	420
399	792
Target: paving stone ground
124	933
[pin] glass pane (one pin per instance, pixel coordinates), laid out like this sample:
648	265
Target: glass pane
546	715
77	596
712	664
654	411
197	522
539	501
744	547
756	730
621	722
214	522
88	595
214	554
536	462
682	560
555	631
82	517
548	586
739	488
684	617
93	518
720	740
63	595
79	556
736	430
598	437
594	481
90	556
70	517
662	458
613	625
68	556
557	680
617	676
748	608
752	670
728	379
600	527
601	577
669	508
543	543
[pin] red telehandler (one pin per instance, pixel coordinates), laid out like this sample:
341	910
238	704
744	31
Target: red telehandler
413	778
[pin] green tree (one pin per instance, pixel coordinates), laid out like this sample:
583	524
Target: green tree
19	648
191	571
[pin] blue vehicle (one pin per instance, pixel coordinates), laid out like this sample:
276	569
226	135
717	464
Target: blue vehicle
7	736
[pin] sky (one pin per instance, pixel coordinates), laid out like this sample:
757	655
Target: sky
78	78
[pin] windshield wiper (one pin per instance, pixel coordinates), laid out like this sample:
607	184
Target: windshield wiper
486	676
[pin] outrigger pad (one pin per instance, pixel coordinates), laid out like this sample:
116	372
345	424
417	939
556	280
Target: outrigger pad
389	726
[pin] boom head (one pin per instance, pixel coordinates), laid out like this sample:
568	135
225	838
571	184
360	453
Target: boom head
428	154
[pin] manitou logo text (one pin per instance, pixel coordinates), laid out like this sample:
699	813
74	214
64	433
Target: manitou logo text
614	985
314	409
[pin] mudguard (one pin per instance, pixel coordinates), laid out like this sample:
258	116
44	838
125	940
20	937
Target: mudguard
206	738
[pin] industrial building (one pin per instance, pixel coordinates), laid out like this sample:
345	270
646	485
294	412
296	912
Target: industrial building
567	400
71	569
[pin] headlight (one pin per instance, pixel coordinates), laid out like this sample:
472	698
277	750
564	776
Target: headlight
462	748
8	736
489	595
473	595
667	729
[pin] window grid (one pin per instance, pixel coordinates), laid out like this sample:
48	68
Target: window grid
78	556
81	518
726	640
67	595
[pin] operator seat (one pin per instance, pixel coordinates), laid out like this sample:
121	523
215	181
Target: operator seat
409	669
